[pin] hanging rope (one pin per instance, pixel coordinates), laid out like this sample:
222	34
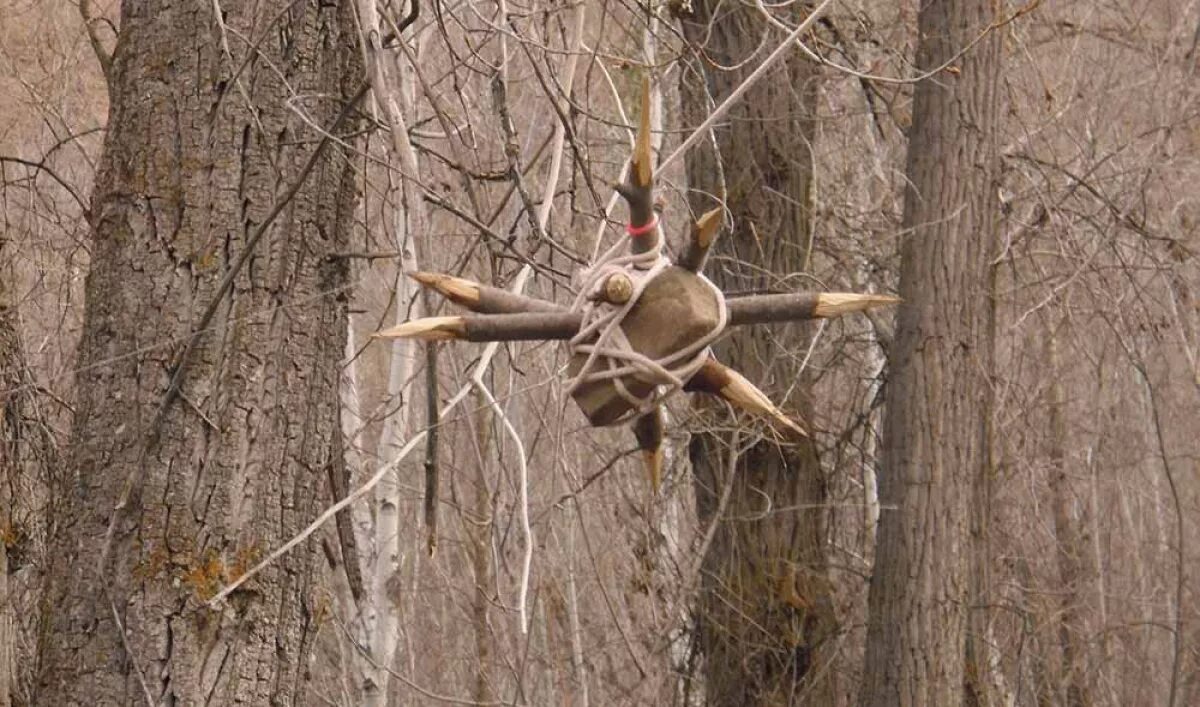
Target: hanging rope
610	356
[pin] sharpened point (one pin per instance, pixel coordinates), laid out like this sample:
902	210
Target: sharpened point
835	304
707	227
704	234
717	379
427	329
456	289
649	430
643	169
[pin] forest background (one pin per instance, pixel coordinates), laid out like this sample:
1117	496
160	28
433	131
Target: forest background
206	209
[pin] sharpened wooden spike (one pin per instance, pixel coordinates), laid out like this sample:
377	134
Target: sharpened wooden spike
456	289
704	234
427	329
649	432
643	170
744	394
835	304
718	379
707	226
653	461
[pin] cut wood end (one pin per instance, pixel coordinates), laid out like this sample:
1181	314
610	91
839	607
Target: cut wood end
455	289
835	304
427	329
618	288
652	459
707	227
741	392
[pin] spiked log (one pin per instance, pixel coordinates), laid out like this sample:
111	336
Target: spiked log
428	329
676	309
715	378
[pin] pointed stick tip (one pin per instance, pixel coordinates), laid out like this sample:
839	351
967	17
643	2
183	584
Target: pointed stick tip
643	166
427	329
834	304
425	278
456	289
652	459
739	391
707	227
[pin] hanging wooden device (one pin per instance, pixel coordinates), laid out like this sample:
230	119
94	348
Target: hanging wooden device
641	324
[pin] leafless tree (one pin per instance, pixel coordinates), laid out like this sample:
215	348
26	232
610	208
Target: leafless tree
207	370
933	441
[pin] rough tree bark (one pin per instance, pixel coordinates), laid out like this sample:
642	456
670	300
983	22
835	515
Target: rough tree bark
934	429
13	379
765	609
170	496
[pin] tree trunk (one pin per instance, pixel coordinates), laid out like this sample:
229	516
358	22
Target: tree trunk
934	429
765	610
13	381
171	496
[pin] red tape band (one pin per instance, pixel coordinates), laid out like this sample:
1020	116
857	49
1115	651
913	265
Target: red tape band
642	230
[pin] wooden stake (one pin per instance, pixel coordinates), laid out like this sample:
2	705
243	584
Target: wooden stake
649	432
761	309
427	329
638	191
722	381
704	234
481	298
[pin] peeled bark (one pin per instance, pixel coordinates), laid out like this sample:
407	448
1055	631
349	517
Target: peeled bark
934	427
765	612
168	497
